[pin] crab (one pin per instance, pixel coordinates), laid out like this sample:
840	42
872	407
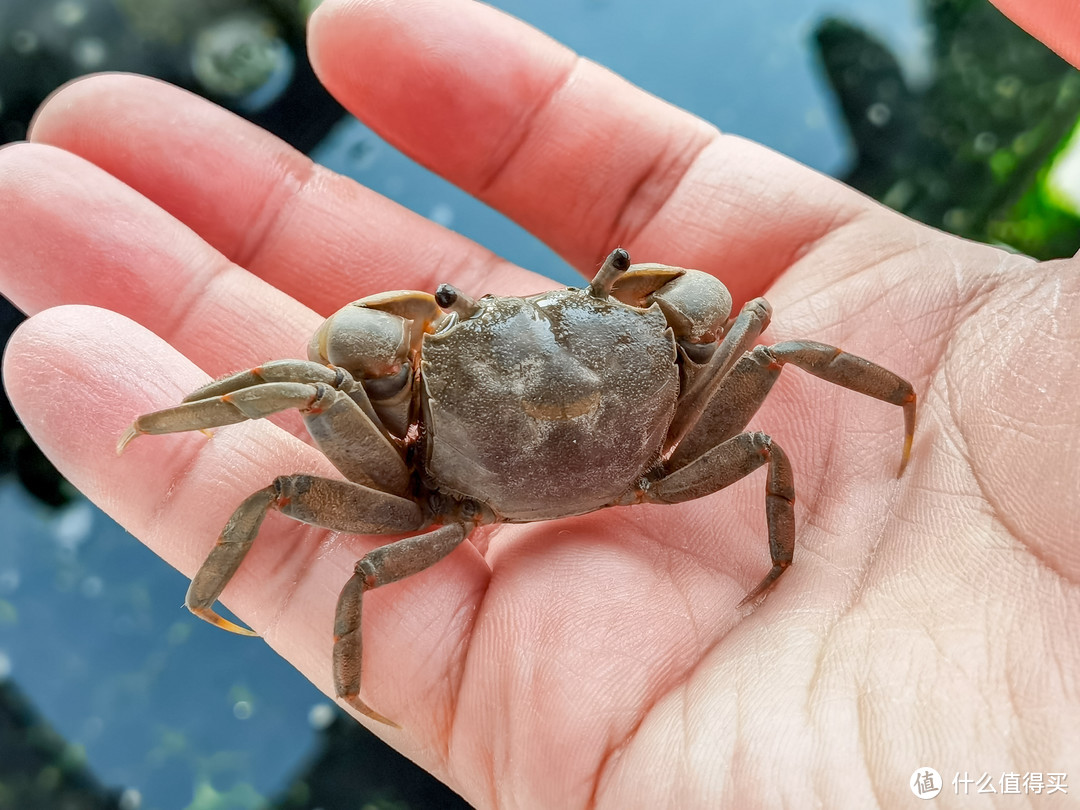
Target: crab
444	413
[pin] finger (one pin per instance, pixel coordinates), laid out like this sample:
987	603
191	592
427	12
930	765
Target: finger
320	237
576	155
1054	22
74	234
75	373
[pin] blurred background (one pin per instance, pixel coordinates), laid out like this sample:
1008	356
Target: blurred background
111	695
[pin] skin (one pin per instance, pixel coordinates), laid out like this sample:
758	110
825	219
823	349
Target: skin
599	661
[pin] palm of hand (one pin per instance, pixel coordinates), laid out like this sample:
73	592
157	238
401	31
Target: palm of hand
601	657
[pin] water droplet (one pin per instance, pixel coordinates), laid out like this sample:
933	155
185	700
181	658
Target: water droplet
879	114
362	153
985	143
1008	86
178	632
957	220
241	57
442	214
321	715
72	527
91	587
9	580
815	118
89	53
242	710
24	42
69	12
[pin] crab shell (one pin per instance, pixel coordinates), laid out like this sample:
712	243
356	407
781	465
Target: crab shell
539	407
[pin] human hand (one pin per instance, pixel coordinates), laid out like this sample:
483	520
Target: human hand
599	659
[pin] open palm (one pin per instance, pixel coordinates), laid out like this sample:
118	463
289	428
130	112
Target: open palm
601	660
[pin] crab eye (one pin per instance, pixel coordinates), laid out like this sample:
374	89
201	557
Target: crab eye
451	298
446	295
614	266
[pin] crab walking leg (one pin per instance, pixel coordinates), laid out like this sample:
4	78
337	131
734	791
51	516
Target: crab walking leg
300	371
742	391
354	443
340	505
347	434
855	373
225	558
725	464
255	402
735	400
380	567
740	336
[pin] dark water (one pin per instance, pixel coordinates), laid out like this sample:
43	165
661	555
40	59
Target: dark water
170	712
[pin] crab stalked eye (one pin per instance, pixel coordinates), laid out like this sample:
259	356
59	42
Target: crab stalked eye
614	266
451	298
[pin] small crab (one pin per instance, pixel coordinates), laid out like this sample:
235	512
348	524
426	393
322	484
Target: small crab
448	412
